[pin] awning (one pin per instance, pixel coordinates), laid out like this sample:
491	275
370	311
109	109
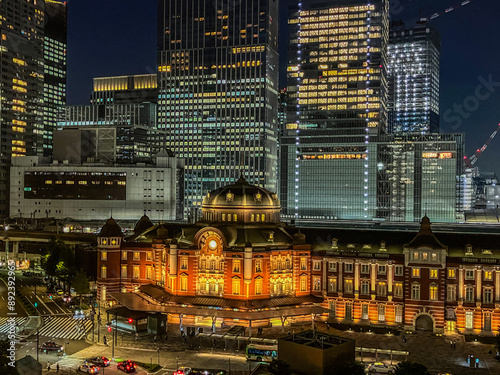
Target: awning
123	312
134	302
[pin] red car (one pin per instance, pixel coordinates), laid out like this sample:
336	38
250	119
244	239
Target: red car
127	366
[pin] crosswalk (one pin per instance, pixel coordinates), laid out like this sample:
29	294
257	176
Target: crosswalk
5	326
63	327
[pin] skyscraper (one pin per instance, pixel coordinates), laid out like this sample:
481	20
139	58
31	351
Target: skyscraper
337	59
413	77
33	76
336	85
218	90
54	72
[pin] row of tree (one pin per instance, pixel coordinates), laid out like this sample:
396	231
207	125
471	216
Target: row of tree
59	261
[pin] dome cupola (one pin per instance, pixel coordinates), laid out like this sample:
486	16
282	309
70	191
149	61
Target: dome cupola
110	235
240	203
143	224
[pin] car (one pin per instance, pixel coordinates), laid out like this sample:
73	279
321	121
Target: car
127	366
66	298
99	361
381	368
51	346
89	368
183	371
78	313
60	292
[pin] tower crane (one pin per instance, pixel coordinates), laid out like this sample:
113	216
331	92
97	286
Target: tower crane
472	160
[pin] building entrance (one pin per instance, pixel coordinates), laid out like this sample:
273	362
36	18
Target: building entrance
424	323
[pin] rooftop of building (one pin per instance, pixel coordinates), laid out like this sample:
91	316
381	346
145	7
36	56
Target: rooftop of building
316	339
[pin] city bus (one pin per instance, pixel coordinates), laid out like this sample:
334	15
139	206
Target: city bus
261	353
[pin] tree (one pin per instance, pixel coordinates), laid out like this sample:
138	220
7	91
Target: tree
350	368
81	284
5	368
279	367
58	259
411	368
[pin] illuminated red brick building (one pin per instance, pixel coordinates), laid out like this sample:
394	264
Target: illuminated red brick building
240	265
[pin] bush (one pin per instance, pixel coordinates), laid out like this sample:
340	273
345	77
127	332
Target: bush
149	367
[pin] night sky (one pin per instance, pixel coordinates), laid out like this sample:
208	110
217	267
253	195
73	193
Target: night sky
114	37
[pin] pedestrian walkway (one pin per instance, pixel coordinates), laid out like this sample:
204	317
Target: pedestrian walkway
64	327
5	326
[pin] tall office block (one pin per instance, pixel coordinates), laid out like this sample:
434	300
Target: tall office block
337	90
218	90
413	77
337	61
394	178
54	73
119	125
29	30
137	88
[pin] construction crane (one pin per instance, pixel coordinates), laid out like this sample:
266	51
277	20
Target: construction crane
448	10
472	160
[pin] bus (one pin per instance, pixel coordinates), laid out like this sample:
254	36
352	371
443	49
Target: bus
261	353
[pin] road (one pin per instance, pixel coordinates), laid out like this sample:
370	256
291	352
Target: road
35	290
169	360
3	299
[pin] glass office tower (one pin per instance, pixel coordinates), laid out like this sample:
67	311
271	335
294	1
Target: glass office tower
336	73
413	76
54	72
218	90
32	46
337	92
405	177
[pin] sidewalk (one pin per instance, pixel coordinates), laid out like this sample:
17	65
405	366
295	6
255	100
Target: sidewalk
432	350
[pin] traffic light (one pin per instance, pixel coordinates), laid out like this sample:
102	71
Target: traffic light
109	329
50	296
36	304
130	320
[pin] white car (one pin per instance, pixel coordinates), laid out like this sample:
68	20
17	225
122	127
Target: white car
89	368
381	368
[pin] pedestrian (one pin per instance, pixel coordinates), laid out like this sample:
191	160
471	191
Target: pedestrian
451	344
454	344
57	367
48	365
105	340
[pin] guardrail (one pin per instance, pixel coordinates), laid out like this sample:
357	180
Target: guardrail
378	351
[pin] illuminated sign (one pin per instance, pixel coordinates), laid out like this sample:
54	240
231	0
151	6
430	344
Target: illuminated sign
436	155
332	156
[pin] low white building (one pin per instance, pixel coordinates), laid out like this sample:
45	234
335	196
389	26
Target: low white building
94	191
